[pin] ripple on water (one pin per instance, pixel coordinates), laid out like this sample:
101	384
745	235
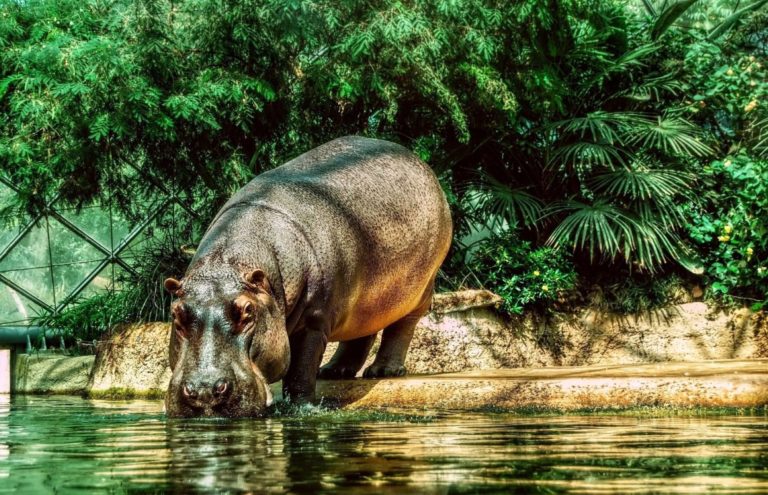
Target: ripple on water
71	445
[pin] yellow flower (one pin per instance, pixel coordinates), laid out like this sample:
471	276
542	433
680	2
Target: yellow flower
536	273
730	72
545	288
727	163
724	238
750	106
750	252
728	229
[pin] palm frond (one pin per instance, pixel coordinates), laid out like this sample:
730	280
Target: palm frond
623	64
599	228
669	16
653	245
671	135
662	211
584	156
497	205
600	126
642	183
652	88
606	229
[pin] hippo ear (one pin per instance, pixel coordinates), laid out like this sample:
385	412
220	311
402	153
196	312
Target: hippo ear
257	280
172	285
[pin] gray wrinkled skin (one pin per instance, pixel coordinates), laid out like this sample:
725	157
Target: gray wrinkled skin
335	245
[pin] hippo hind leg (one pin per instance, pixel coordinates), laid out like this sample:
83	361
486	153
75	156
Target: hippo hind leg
395	339
349	357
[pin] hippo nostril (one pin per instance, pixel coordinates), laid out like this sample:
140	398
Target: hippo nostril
188	392
220	387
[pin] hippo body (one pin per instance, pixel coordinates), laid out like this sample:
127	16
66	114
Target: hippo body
335	245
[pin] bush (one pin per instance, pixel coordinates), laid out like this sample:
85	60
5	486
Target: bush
638	294
526	278
730	227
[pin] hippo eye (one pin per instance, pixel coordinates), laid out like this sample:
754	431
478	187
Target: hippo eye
242	313
246	313
181	319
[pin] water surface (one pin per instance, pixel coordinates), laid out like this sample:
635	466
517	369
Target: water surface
71	445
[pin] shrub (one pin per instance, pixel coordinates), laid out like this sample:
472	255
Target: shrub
525	277
730	227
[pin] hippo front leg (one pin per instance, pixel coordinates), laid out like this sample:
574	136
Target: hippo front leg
307	348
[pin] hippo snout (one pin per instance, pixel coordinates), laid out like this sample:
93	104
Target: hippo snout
201	393
234	395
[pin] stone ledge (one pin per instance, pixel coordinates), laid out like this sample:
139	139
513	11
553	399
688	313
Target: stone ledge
709	384
726	383
50	374
450	302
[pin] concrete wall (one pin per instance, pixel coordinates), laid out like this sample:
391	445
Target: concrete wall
45	373
5	371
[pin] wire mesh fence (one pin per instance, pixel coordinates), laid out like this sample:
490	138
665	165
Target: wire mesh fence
65	254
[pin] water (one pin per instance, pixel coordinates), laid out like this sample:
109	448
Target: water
71	445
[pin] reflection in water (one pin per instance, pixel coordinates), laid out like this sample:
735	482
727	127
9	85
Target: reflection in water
5	450
68	444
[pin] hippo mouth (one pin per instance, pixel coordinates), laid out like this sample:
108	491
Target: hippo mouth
248	396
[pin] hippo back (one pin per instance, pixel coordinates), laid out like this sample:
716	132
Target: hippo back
374	216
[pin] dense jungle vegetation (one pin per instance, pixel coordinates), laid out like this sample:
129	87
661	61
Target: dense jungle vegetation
593	152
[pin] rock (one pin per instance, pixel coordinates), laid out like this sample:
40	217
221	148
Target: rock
132	362
50	374
464	333
5	371
728	383
685	332
449	302
697	292
737	384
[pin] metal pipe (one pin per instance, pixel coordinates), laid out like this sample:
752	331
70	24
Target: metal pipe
23	335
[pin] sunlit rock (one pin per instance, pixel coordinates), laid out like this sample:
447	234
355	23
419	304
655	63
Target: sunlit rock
133	361
465	332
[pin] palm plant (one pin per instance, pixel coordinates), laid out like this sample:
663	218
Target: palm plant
608	175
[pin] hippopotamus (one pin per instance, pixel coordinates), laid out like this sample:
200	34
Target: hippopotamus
337	244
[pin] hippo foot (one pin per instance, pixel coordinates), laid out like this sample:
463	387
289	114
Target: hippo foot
329	372
379	371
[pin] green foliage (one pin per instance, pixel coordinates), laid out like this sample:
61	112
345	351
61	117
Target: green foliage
713	18
613	170
731	227
669	16
636	295
728	84
732	19
525	277
728	90
561	120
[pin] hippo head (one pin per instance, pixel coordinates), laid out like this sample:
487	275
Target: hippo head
228	343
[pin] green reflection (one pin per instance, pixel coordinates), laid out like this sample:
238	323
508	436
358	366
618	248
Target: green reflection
66	444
